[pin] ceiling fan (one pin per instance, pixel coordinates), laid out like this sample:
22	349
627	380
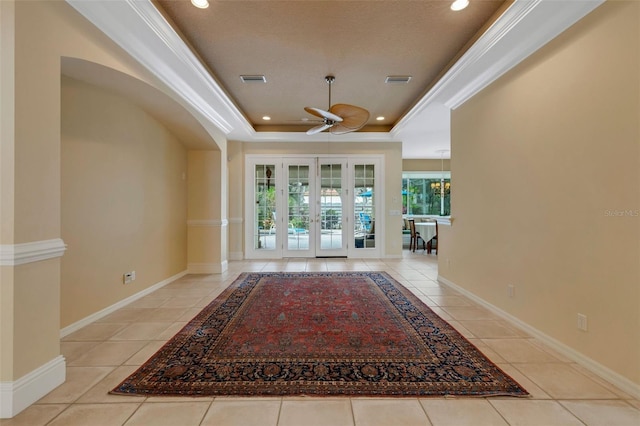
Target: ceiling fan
340	118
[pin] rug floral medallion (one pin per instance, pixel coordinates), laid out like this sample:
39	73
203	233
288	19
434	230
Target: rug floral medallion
334	333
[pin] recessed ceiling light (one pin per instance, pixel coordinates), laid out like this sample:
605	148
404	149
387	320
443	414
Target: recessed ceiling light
266	118
459	4
202	4
380	118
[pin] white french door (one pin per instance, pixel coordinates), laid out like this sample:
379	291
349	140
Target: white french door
331	203
312	207
313	204
298	224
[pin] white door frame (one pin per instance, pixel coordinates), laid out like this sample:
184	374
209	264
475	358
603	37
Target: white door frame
379	196
349	223
344	206
289	234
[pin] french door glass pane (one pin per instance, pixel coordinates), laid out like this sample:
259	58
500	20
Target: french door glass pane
330	206
364	206
298	215
264	216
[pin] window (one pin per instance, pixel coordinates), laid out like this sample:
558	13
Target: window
265	199
426	193
364	205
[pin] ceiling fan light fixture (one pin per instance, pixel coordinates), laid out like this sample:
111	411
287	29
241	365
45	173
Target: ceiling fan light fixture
459	4
339	118
201	4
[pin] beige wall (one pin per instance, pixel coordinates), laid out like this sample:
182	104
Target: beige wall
426	165
7	119
207	251
35	36
33	291
391	151
235	163
540	160
7	148
124	198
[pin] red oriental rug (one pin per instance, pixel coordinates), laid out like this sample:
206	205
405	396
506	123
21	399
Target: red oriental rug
345	333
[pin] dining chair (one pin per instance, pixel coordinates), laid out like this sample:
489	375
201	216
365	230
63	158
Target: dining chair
415	236
432	244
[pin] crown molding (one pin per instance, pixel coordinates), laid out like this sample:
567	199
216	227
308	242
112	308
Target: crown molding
302	137
522	29
141	30
19	254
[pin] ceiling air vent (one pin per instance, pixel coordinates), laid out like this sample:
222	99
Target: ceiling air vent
253	79
397	79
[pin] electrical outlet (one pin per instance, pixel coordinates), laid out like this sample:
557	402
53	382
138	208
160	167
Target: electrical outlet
511	290
582	322
128	277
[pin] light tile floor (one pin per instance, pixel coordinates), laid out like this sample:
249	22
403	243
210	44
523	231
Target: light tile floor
102	354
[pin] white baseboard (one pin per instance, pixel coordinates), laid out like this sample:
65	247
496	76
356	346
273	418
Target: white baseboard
121	304
600	370
208	268
17	395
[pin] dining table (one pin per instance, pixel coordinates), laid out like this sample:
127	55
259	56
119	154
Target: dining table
427	230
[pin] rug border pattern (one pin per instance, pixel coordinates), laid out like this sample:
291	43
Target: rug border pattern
327	376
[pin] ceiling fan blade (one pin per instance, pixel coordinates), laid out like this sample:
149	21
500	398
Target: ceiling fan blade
323	114
306	121
339	129
318	129
353	117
